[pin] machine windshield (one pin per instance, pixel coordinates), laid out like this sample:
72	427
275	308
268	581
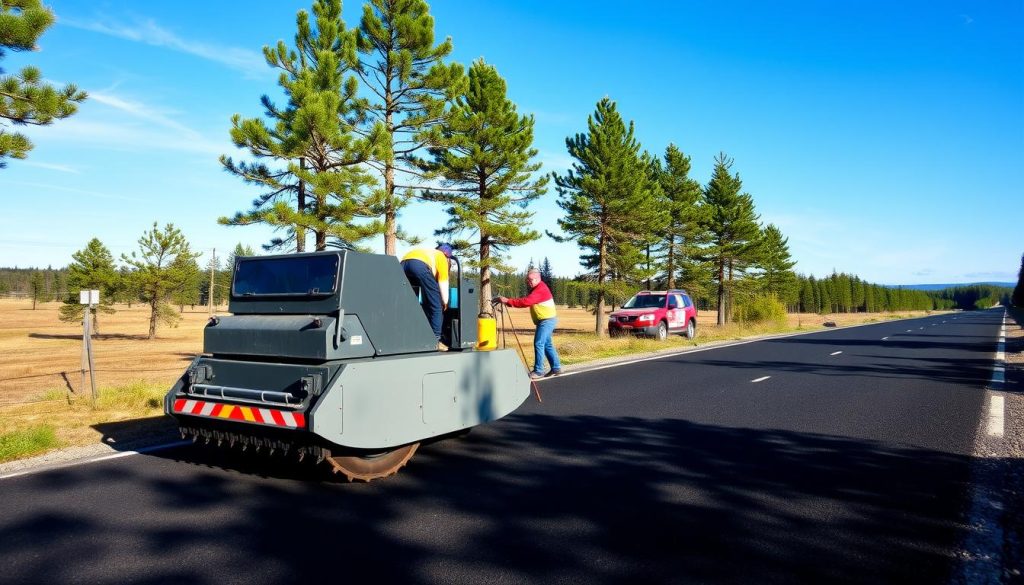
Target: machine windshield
297	275
645	302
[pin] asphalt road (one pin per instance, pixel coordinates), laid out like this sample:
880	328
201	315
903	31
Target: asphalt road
848	467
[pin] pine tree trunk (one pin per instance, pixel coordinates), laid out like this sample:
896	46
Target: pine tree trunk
153	308
300	232
728	295
671	262
599	322
390	213
648	267
721	292
485	274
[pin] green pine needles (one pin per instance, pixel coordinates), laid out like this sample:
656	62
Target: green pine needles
25	98
482	156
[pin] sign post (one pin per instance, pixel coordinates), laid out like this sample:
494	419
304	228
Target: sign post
89	298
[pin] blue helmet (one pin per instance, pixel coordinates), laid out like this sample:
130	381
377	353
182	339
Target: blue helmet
446	249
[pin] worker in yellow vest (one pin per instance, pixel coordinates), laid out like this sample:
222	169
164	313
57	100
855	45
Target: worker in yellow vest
427	270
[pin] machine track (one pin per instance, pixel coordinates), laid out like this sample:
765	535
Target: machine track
371	467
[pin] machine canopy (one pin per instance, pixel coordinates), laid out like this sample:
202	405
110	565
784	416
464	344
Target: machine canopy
294	275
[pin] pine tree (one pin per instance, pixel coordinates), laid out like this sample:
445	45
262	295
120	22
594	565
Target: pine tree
482	155
734	234
777	277
25	98
321	187
37	288
685	232
545	272
1018	291
411	87
607	197
161	268
93	269
187	291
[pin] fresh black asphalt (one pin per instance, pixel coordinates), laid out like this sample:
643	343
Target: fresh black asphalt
846	468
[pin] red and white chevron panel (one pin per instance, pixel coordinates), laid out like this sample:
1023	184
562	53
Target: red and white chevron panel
262	416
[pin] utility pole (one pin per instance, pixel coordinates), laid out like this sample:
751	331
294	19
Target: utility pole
213	267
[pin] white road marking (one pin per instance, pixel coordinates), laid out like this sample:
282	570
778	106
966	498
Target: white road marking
98	459
835	353
996	416
920	327
909	330
761	379
884	338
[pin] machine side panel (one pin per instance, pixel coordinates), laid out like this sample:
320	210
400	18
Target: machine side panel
389	402
375	288
287	336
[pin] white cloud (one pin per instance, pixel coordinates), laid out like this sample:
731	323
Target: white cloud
96	194
144	112
50	166
137	125
249	63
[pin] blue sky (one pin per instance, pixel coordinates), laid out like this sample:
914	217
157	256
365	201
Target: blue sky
885	139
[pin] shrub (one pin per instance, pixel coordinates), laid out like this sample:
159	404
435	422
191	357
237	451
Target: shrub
761	309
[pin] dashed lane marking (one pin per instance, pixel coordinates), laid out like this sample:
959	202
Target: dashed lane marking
996	416
835	353
884	338
761	379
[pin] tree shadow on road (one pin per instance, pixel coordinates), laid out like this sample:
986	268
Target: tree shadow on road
533	498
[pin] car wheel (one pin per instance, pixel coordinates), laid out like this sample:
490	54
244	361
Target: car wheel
691	329
662	333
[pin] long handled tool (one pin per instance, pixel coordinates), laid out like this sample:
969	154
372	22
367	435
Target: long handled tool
495	301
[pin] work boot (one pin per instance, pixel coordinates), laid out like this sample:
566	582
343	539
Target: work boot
553	372
441	346
536	375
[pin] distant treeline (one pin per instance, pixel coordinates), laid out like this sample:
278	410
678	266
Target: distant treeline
837	293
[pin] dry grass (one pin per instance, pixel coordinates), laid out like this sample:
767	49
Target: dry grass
41	360
37	344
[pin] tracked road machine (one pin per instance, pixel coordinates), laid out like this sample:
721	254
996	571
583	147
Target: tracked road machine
329	356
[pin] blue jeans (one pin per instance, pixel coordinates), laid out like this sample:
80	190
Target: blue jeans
542	346
421	277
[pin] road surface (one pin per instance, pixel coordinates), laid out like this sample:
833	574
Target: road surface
835	457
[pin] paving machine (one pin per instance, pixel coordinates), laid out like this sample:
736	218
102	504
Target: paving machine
328	355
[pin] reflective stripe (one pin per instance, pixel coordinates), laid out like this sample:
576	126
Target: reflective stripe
289	420
252	414
543	310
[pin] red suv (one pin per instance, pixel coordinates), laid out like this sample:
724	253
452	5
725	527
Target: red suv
655	313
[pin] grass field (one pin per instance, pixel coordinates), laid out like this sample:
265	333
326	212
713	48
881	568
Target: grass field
40	362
